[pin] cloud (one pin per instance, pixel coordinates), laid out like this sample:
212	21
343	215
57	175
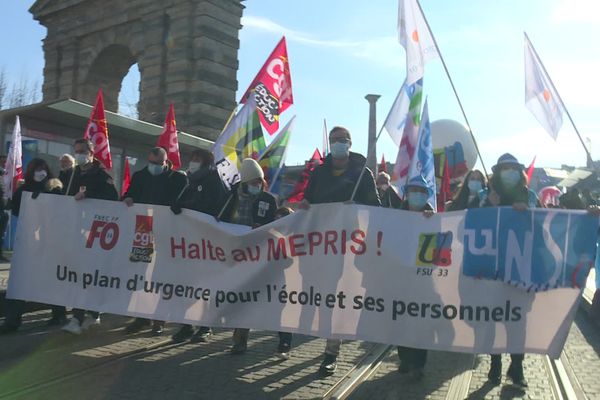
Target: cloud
384	51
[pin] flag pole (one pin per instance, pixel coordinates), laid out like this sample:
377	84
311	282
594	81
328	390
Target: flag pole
362	172
453	88
587	152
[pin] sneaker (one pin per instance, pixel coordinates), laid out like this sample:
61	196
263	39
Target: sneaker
183	334
328	366
137	325
237	349
73	326
90	322
516	376
202	335
283	351
158	329
55	321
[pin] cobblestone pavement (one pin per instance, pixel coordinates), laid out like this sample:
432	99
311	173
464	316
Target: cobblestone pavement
49	364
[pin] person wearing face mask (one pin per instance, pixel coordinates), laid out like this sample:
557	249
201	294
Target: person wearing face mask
205	193
67	166
160	185
38	179
333	182
472	192
508	187
89	180
248	204
387	193
412	361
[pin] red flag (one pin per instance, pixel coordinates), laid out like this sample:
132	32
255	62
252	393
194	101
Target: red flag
273	88
530	170
168	139
126	178
445	192
298	192
97	132
383	165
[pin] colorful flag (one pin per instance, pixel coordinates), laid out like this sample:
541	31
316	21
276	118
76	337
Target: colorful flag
422	163
415	37
272	88
13	169
273	158
97	132
126	177
445	192
240	139
530	170
168	139
403	125
383	165
325	139
298	192
541	97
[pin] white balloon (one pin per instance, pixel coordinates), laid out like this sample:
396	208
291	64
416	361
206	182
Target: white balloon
447	132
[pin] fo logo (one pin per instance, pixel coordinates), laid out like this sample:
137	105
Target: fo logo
143	240
435	249
106	230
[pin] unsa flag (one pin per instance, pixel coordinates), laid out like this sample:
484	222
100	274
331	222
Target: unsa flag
168	139
97	132
415	37
272	88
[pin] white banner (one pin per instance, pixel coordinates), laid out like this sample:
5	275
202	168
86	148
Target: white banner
343	271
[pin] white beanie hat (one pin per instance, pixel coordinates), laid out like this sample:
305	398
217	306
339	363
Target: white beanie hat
250	170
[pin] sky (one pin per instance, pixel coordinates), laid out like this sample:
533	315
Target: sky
342	50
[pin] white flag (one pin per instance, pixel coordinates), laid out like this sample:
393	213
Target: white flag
325	139
415	37
541	97
13	169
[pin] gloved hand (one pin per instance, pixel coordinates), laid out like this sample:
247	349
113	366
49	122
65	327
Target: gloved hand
176	210
35	195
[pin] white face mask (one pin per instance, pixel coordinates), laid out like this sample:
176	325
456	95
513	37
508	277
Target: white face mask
194	166
39	176
254	190
81	159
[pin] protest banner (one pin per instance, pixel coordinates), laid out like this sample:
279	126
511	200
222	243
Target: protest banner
343	271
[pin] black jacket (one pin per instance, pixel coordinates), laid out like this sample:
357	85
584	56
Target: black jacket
163	189
263	209
65	177
324	187
98	183
46	186
205	193
391	199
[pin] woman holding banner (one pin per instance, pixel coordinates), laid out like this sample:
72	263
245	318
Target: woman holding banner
471	193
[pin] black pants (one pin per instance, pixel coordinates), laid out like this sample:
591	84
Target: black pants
414	358
516	361
16	308
80	314
3	225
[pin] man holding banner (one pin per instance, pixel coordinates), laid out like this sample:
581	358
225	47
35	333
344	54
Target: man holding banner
332	182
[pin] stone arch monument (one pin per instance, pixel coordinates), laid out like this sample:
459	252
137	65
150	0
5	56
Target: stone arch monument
186	51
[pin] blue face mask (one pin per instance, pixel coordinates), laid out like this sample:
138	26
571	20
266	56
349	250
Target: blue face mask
475	186
155	169
417	200
254	190
340	150
510	177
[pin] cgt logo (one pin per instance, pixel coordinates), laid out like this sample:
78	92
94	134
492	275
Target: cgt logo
105	230
143	240
435	249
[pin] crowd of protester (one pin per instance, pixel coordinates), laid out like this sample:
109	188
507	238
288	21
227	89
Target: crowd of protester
340	178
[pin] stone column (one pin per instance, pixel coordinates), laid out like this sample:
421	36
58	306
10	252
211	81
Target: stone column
372	155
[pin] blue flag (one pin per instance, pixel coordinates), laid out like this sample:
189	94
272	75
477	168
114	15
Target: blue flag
422	164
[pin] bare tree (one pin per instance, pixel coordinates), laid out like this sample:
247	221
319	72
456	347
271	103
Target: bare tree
2	87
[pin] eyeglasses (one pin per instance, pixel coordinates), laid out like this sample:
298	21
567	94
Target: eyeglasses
344	140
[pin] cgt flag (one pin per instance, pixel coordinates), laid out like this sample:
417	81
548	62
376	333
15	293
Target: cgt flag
415	37
126	177
97	132
168	139
13	169
272	88
422	164
274	156
241	138
541	97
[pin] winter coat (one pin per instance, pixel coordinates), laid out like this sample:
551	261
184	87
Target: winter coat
324	187
98	183
163	189
205	193
390	198
263	208
52	186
